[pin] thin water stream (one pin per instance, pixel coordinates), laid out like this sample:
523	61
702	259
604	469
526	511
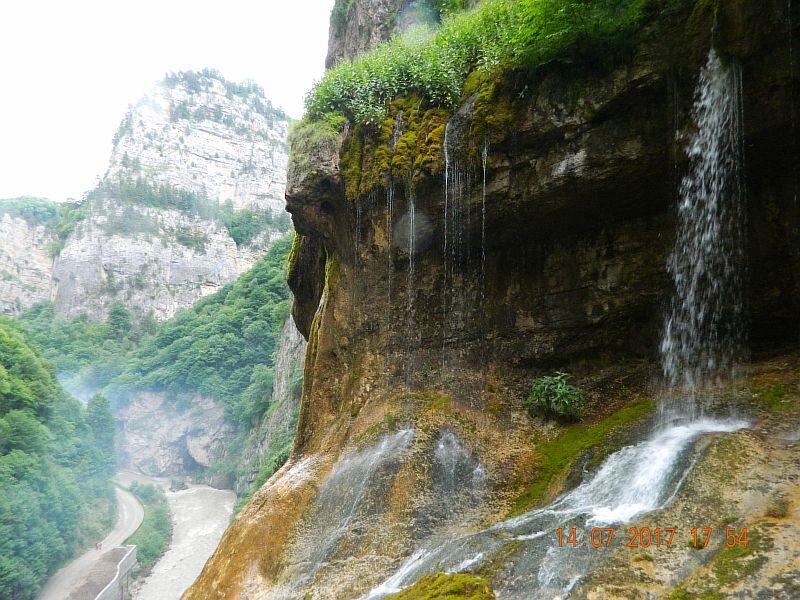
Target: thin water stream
702	340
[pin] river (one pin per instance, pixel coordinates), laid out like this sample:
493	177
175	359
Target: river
200	515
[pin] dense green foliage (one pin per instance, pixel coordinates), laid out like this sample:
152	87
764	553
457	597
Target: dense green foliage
498	36
36	211
223	346
553	396
54	461
155	532
88	355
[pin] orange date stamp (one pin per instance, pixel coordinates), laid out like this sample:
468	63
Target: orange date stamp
647	537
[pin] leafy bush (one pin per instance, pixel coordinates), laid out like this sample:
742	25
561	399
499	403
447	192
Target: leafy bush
498	36
552	396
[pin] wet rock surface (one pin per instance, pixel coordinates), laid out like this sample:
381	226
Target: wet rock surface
554	259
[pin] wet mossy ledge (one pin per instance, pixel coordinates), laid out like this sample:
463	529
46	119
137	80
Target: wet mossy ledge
448	586
554	457
384	115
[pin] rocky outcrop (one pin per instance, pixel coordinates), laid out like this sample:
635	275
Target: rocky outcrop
198	132
150	259
533	238
196	162
163	438
25	263
360	25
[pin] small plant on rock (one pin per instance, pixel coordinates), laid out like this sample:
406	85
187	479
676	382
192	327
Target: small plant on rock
553	396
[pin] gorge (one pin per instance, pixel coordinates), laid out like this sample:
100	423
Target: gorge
447	257
512	312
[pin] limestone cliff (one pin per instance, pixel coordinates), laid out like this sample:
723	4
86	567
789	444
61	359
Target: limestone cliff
446	259
160	440
199	132
25	263
193	196
150	258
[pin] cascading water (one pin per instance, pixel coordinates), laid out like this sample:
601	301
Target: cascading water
703	333
702	338
411	332
389	265
457	296
484	158
346	501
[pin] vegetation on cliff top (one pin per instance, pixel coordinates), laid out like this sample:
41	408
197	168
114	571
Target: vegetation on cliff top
498	36
54	465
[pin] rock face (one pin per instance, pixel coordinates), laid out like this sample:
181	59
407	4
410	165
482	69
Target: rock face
161	440
194	163
430	308
200	133
25	264
148	258
363	26
272	441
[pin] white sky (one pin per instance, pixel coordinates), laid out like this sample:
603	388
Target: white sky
70	68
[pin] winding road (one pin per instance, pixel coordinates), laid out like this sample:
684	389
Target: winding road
70	577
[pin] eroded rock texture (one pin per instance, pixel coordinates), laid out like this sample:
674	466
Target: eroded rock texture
530	234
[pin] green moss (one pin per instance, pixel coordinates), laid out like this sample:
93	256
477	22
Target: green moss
494	112
732	565
333	269
682	594
294	252
448	586
773	396
778	507
309	140
556	456
407	145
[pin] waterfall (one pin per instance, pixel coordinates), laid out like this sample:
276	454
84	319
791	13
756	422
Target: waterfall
346	503
484	158
703	332
458	296
702	339
389	266
411	330
630	483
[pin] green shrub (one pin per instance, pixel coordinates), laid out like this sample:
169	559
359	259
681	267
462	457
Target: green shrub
552	396
498	36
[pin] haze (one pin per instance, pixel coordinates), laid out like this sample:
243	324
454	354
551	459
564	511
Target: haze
70	70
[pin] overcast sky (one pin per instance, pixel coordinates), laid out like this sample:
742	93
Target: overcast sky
70	68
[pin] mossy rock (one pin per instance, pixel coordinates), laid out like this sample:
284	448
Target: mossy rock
406	146
556	456
445	586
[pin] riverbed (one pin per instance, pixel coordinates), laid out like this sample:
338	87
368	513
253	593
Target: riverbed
200	515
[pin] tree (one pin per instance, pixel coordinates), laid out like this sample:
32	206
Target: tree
101	421
119	318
